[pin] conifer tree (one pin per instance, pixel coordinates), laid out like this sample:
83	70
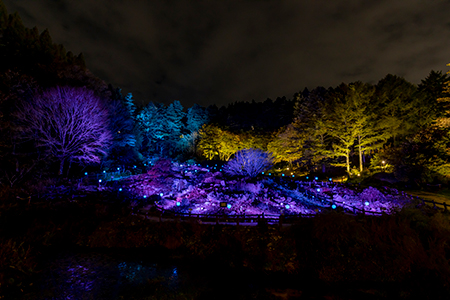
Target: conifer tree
394	104
444	102
195	118
309	125
129	103
3	16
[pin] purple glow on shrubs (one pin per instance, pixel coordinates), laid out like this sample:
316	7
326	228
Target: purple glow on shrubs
204	195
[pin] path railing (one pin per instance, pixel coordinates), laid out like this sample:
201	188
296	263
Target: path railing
244	219
436	204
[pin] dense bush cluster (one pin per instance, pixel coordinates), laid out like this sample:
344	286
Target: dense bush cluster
249	162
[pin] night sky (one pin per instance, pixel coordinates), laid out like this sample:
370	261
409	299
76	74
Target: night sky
225	51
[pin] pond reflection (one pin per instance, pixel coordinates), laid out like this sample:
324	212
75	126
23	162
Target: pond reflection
99	276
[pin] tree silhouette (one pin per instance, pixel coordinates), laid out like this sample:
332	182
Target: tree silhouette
71	124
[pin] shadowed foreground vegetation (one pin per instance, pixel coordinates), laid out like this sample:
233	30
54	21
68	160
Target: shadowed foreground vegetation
399	256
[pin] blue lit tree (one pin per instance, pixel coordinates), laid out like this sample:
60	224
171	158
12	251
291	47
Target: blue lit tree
173	126
131	107
152	126
124	144
196	117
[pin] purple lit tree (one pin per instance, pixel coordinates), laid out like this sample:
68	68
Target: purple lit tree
70	124
249	162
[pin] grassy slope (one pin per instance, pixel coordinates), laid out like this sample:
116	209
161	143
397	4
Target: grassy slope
442	196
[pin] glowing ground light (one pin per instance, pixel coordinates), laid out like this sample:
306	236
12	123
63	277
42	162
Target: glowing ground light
228	205
287	206
333	206
178	203
366	203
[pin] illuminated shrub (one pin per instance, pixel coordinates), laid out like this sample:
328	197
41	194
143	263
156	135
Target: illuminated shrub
249	163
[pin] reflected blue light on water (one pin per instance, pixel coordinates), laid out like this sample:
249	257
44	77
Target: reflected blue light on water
98	276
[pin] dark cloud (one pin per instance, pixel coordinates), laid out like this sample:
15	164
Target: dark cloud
225	51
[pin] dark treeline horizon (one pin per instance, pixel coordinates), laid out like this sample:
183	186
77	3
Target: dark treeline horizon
353	125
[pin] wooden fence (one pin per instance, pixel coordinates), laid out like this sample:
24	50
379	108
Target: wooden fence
244	219
435	204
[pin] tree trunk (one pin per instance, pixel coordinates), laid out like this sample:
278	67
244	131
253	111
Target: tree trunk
61	167
68	169
347	157
360	154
